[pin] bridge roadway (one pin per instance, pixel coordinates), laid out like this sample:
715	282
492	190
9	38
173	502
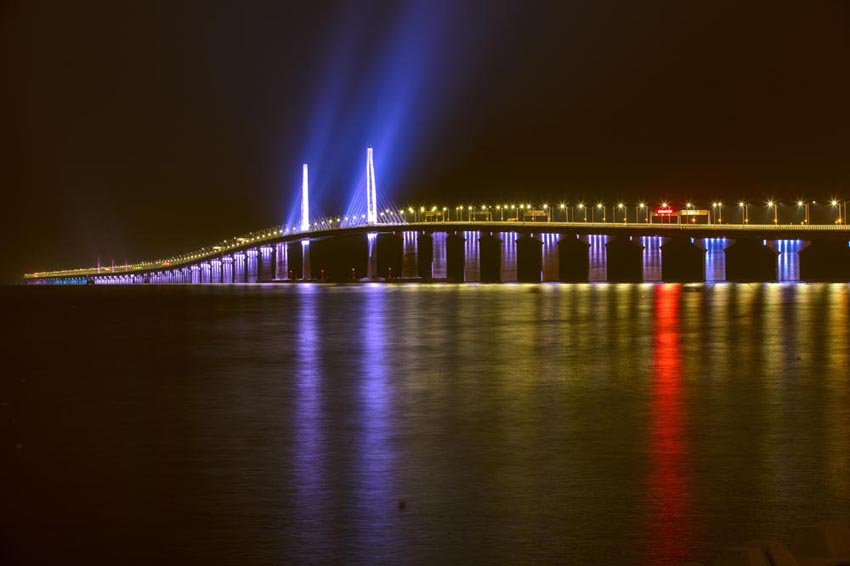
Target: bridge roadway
277	236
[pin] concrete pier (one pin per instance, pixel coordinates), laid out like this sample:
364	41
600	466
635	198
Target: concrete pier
682	261
490	255
455	257
573	260
267	257
625	260
425	255
529	259
750	261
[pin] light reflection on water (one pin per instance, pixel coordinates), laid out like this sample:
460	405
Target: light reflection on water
514	423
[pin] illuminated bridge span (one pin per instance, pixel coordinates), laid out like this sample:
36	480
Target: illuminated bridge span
385	247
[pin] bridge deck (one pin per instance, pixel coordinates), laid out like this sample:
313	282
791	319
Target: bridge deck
278	234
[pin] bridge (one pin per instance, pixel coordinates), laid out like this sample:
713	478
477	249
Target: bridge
387	247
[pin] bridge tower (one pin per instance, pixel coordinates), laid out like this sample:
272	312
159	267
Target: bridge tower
371	198
371	214
305	221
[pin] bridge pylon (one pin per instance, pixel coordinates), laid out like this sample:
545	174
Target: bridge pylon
371	193
305	220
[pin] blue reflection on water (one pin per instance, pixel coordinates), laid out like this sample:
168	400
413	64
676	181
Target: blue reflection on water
309	450
375	496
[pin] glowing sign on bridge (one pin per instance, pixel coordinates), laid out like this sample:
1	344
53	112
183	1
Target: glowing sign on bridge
665	211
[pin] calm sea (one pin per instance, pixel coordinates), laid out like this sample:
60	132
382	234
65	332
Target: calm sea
419	424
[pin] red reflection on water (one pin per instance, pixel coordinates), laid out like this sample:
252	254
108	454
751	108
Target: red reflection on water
669	526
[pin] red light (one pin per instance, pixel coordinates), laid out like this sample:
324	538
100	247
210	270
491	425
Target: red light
664	211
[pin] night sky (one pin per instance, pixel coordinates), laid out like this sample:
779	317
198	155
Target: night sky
136	130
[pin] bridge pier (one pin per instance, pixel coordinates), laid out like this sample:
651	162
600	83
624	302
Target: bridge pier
573	260
550	265
455	257
390	256
251	267
226	270
529	259
750	261
240	271
425	255
490	257
280	270
215	271
625	260
682	261
825	260
409	267
266	263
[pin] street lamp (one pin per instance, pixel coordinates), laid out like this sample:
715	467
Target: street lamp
718	212
638	208
801	204
838	205
771	204
563	207
601	207
745	212
621	206
581	207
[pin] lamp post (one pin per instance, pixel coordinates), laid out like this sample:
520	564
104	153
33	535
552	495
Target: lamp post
805	206
690	206
563	207
599	206
745	212
841	213
771	204
581	207
717	207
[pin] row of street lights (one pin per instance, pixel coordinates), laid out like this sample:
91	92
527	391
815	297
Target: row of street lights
598	212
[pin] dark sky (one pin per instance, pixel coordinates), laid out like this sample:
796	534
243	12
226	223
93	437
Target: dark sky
140	129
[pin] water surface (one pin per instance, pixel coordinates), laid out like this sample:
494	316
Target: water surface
416	424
